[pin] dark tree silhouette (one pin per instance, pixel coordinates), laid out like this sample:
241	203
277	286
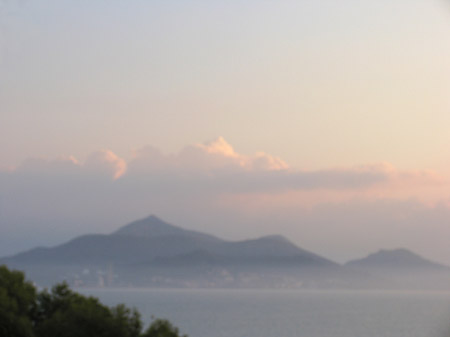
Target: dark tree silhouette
162	328
64	313
17	303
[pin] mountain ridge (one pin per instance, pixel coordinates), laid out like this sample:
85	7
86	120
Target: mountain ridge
398	258
152	252
151	249
152	226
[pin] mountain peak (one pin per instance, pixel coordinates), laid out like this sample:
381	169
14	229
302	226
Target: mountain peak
398	252
150	226
275	237
395	258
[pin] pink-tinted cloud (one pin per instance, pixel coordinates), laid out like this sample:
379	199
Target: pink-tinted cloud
369	183
215	184
100	163
105	162
263	162
215	167
61	165
216	155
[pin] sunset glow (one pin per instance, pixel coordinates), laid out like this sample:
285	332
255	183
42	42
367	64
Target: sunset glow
323	121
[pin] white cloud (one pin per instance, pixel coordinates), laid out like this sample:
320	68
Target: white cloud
264	162
215	167
213	181
216	155
105	162
100	163
219	146
61	165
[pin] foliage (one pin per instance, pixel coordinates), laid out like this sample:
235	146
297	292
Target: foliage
162	328
65	313
17	301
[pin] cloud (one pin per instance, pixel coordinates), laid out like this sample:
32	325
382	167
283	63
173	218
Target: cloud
220	147
263	162
220	151
105	162
216	168
102	163
59	166
214	156
216	188
403	176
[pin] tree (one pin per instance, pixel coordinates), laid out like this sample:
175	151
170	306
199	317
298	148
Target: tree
127	322
65	313
162	328
17	303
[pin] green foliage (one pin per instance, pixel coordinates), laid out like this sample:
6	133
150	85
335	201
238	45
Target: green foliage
127	322
17	303
162	328
65	313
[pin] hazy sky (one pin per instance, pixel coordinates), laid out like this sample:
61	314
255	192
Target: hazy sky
334	115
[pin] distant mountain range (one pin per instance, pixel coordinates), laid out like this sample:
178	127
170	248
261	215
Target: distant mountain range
401	268
151	252
396	260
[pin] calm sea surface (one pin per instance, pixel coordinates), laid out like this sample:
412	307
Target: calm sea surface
290	313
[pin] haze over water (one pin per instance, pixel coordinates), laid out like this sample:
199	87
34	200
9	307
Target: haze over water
291	313
322	121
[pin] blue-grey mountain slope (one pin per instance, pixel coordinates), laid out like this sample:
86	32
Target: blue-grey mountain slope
396	260
152	252
402	268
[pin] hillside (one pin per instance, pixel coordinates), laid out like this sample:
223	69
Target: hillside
396	260
153	253
401	268
150	249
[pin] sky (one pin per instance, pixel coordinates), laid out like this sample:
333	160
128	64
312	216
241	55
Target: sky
323	121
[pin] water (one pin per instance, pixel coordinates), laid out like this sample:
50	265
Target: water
290	313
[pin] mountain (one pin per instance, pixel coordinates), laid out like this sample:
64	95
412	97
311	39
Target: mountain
152	252
401	268
137	242
396	260
152	227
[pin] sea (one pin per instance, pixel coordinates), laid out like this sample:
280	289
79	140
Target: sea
289	313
